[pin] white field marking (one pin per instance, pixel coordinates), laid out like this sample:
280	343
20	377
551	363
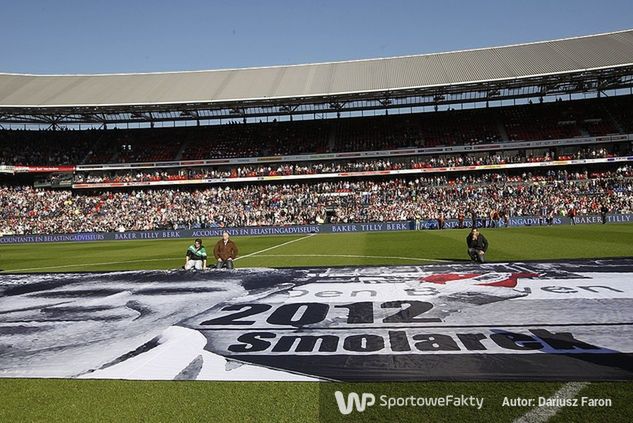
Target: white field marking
275	246
353	256
544	413
65	266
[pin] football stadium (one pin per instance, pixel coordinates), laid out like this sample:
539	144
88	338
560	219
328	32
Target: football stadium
437	236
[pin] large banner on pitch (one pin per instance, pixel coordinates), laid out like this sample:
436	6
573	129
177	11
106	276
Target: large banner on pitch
513	321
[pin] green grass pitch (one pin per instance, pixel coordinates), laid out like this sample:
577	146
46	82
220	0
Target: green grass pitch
101	400
377	248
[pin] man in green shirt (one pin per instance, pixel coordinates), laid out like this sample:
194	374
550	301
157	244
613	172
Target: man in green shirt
196	257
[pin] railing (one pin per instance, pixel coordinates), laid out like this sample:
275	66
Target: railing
362	154
211	181
324	156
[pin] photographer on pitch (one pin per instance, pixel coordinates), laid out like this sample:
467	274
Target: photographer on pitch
225	252
477	246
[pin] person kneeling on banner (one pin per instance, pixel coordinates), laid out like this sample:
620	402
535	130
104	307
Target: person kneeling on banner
196	257
477	246
225	252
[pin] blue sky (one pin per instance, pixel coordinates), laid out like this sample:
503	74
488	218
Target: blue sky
73	36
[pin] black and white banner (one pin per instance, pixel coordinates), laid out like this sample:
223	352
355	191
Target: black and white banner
513	321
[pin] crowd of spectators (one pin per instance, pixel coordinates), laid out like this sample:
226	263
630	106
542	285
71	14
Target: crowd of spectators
447	128
26	210
311	168
263	139
45	147
620	108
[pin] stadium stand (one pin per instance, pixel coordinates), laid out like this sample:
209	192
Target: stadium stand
565	145
315	168
24	147
557	120
26	210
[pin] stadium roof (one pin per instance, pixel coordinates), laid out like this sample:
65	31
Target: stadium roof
571	55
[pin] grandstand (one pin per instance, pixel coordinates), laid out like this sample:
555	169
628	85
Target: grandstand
312	131
537	134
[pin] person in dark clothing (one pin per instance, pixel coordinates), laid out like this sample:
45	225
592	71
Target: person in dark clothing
550	217
603	213
441	221
504	217
477	246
